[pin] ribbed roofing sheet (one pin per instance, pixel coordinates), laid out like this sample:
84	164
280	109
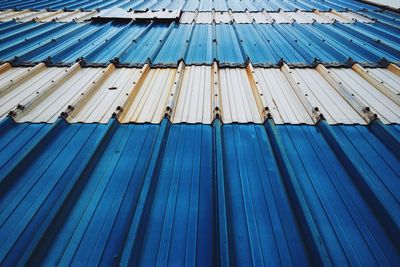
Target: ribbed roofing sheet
189	5
46	16
41	94
135	44
165	194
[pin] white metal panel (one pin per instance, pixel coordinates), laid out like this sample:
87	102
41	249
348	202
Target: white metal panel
284	105
204	17
49	109
26	89
194	101
222	17
111	94
318	17
187	17
320	94
150	101
280	17
386	109
260	17
5	13
299	17
386	77
337	17
238	102
352	16
241	17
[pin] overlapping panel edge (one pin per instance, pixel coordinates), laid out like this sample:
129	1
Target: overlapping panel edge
199	94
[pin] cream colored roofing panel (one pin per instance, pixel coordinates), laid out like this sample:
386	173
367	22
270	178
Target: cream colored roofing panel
238	103
222	17
241	17
387	111
27	89
260	17
354	16
299	17
187	17
284	105
320	94
318	17
7	15
204	17
47	16
150	102
280	17
386	77
58	100
194	100
111	94
337	17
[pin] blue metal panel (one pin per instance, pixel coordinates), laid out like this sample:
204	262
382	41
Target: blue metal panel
135	44
92	194
318	48
189	5
260	52
377	48
85	45
344	45
351	232
228	49
175	46
180	228
279	45
8	52
200	48
115	46
263	230
142	49
94	229
59	43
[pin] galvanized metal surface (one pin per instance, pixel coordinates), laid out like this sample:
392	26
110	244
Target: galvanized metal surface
170	194
135	44
41	94
190	5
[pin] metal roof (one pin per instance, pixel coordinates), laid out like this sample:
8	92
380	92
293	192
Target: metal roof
230	44
208	133
41	94
174	194
189	5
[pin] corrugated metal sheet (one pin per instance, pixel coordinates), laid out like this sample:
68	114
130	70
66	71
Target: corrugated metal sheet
237	136
186	17
41	94
135	44
197	194
46	16
189	5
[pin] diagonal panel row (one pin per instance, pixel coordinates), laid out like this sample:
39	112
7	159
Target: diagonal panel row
198	94
135	44
190	5
239	194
